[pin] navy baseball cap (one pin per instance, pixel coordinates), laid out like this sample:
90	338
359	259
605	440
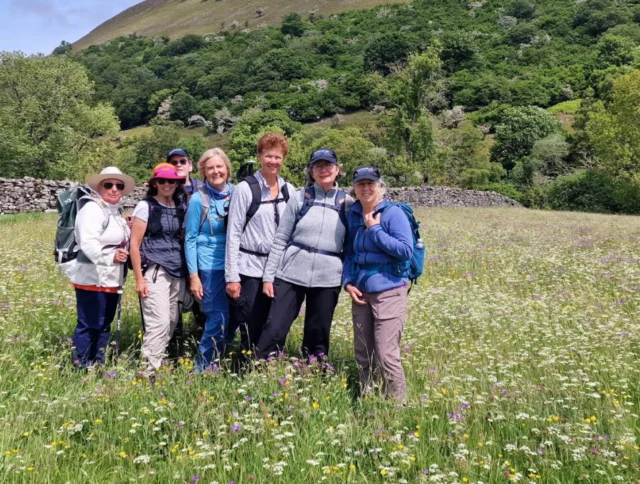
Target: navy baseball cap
324	154
366	173
179	152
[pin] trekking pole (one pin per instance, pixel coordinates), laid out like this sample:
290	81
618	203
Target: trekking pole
123	245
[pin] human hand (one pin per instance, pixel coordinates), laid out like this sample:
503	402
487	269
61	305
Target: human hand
233	290
141	288
370	220
356	294
195	286
120	256
268	290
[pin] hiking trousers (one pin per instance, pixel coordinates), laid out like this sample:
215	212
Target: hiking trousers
251	311
285	308
160	315
378	326
96	311
215	307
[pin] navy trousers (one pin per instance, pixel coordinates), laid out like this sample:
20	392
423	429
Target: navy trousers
96	311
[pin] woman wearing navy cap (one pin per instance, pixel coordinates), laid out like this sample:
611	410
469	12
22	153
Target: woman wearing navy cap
380	239
306	260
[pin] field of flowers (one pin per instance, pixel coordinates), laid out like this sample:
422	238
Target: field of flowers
522	354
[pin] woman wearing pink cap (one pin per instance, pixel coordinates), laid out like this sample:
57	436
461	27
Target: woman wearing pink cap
158	261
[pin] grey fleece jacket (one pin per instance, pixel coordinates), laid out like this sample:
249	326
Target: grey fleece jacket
258	234
321	228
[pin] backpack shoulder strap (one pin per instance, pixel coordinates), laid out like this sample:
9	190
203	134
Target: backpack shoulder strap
341	203
107	214
204	213
256	197
285	192
307	203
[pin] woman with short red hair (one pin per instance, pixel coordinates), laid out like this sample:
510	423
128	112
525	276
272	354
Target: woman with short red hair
254	214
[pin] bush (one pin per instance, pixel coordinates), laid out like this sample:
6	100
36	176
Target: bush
594	191
506	189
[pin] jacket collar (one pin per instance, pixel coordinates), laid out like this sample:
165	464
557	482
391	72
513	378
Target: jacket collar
357	206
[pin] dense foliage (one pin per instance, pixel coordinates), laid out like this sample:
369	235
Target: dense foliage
500	94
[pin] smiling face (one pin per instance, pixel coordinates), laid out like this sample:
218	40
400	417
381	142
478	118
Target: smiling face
111	193
324	173
216	173
368	192
271	161
166	188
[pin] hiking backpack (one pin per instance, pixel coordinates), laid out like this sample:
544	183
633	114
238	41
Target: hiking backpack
310	201
411	269
69	202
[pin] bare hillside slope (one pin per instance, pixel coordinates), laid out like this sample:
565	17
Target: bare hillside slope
176	18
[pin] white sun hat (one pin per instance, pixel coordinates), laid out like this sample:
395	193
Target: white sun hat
112	173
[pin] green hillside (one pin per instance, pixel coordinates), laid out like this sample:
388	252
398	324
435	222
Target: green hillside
175	18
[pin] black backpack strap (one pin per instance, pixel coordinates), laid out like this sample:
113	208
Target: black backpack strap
204	212
341	202
256	198
285	192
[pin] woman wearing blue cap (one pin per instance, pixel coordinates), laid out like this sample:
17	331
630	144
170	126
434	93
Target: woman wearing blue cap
305	261
380	240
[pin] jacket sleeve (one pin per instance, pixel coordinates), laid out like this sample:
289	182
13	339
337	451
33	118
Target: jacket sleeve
282	238
89	222
192	229
240	203
393	234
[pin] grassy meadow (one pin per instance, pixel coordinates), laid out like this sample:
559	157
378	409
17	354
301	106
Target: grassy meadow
522	355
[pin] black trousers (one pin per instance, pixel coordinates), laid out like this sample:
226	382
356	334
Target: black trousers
251	310
285	307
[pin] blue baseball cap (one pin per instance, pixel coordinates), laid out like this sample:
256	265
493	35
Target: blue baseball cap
178	152
366	173
324	154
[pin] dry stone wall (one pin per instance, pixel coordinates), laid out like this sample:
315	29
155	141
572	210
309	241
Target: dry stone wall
34	195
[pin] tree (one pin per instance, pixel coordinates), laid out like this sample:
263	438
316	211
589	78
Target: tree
251	126
613	129
385	50
48	125
64	48
293	25
517	132
614	51
183	106
408	91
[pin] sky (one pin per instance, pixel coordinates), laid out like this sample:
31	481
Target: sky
38	26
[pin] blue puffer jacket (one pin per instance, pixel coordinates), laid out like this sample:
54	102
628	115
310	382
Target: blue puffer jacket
377	249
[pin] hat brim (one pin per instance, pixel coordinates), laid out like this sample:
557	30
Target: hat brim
366	177
129	183
170	177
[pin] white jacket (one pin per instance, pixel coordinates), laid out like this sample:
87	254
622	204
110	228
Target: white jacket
98	246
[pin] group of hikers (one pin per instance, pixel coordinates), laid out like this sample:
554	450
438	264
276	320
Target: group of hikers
249	255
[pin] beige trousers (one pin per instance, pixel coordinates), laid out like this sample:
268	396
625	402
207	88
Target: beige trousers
378	326
160	313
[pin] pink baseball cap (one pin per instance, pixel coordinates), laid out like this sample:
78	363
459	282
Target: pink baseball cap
166	171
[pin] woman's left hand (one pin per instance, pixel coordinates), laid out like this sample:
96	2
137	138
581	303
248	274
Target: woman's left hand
267	289
370	219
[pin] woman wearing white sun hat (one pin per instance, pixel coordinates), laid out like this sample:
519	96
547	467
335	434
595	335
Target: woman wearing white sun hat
102	235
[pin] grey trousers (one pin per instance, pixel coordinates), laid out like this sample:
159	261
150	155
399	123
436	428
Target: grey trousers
378	326
160	314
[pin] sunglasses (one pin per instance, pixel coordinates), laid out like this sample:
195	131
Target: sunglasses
162	181
181	161
109	185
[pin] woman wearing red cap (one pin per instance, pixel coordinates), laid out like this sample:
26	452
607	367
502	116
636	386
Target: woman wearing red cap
158	261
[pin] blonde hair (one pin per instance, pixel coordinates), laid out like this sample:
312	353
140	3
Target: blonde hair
207	155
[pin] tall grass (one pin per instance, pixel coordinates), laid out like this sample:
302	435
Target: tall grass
521	351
